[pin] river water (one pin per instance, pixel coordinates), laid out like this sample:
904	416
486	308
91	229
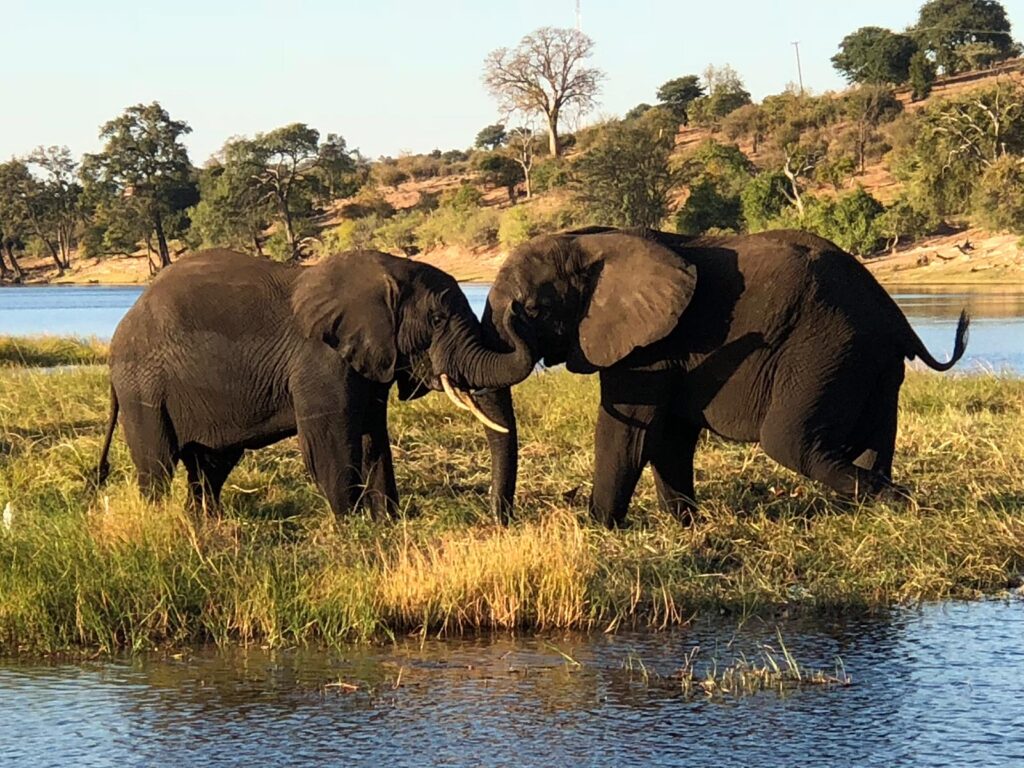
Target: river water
996	344
931	687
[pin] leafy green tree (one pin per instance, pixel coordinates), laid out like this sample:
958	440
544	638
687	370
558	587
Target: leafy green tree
867	108
725	93
678	94
501	171
764	199
874	55
337	168
999	197
231	213
902	220
945	29
921	75
286	171
144	159
491	136
57	201
850	221
625	179
716	174
545	75
14	217
638	111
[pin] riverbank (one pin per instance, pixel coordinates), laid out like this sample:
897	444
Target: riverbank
969	257
80	569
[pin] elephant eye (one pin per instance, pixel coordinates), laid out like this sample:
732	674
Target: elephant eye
437	320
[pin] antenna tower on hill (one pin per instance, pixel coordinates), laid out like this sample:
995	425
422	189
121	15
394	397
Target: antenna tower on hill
579	16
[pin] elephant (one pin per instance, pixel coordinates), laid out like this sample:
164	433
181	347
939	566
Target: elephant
225	352
779	338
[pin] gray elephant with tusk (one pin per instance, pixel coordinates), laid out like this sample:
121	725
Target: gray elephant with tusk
225	352
779	338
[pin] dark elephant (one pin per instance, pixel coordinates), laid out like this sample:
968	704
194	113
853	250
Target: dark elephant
225	352
779	338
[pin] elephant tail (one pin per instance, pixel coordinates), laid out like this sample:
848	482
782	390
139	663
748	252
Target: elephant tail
959	346
104	466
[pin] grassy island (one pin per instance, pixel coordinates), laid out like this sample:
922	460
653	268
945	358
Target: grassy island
88	569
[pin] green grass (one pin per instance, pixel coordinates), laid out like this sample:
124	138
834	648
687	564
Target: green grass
50	351
80	569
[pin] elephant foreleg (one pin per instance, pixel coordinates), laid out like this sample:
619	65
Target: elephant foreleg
672	462
619	458
329	429
378	467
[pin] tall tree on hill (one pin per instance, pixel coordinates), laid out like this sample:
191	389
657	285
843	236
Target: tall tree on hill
545	75
874	55
14	224
676	95
953	30
145	160
59	201
491	137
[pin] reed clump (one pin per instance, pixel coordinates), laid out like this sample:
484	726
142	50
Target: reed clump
50	351
81	568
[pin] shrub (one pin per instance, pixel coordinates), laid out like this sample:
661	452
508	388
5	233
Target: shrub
389	175
398	233
348	235
764	199
550	174
708	207
520	223
850	221
999	198
465	197
903	219
369	202
469	228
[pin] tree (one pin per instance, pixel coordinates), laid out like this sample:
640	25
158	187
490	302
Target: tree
763	199
545	75
285	169
677	95
725	93
637	111
337	168
58	198
946	27
491	137
922	75
14	220
626	179
144	159
500	170
716	174
875	55
999	197
868	107
522	149
230	212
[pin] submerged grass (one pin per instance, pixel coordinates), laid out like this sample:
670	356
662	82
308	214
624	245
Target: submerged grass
81	569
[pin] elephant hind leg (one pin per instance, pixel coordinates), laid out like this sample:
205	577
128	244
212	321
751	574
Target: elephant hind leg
874	441
150	437
810	430
207	471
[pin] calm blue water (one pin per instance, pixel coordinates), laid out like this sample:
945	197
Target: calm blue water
996	344
937	687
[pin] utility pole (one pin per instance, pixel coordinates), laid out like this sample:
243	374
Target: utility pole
579	16
799	70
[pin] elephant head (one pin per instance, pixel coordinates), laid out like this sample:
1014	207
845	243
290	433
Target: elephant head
588	299
394	319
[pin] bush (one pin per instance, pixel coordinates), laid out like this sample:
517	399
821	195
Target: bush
851	221
520	223
468	228
999	198
369	202
389	175
707	208
398	234
550	174
463	198
349	235
902	219
763	200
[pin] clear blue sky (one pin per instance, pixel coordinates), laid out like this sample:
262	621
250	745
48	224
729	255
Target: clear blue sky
389	76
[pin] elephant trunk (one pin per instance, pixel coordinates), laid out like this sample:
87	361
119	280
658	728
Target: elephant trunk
469	361
504	448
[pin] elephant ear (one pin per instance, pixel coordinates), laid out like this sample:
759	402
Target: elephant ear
349	301
641	288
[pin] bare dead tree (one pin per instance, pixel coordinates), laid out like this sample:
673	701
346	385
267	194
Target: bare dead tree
545	75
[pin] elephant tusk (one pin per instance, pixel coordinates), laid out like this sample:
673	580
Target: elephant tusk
448	390
465	401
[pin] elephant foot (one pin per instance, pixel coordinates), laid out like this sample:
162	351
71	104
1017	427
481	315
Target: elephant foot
893	494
